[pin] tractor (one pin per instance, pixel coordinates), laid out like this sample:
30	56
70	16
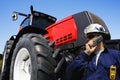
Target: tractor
43	46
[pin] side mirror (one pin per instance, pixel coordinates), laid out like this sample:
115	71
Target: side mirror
14	16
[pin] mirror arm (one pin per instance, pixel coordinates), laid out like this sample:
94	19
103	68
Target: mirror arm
22	14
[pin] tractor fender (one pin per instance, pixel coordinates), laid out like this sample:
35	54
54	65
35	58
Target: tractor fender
25	30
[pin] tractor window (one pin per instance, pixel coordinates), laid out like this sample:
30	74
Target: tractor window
41	22
25	22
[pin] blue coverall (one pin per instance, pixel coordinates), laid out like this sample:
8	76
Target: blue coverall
84	68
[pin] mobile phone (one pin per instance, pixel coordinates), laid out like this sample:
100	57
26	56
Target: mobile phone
98	40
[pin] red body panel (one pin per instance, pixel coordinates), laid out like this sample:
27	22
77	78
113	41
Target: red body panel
63	31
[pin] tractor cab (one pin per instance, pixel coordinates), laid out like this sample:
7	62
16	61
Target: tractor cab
35	19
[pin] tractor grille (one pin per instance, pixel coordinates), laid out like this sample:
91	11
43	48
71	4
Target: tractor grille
64	38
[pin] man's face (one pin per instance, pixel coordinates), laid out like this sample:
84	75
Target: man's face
91	37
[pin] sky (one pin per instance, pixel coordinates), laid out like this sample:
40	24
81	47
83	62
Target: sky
108	10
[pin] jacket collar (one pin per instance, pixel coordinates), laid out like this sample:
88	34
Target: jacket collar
105	50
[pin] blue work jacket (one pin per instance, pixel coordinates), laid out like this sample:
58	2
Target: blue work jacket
84	67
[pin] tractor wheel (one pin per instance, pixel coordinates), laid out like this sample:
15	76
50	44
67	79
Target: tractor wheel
5	66
32	59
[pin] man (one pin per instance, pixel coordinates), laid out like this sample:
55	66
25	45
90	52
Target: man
95	62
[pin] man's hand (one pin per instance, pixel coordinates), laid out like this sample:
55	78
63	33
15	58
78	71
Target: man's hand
89	47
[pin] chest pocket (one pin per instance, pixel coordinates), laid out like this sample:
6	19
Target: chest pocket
106	61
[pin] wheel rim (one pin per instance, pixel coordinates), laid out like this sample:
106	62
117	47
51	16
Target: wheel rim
22	66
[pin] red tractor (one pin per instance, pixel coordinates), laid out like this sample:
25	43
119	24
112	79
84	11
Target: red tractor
43	47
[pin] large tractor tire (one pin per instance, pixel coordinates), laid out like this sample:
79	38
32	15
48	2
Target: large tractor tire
32	59
5	63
